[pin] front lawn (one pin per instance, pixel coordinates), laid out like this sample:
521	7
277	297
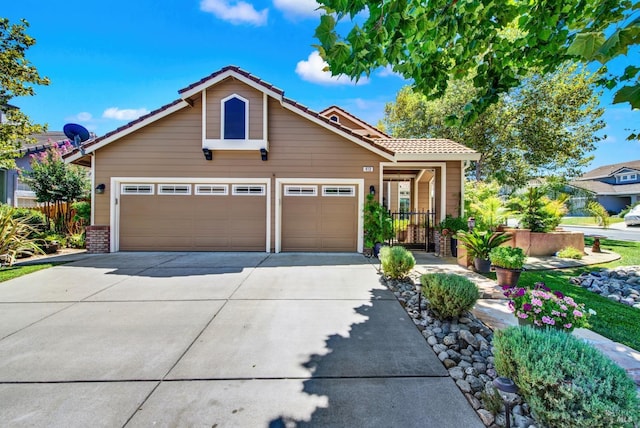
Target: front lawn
586	221
618	322
7	273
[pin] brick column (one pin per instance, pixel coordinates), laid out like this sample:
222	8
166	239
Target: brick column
97	239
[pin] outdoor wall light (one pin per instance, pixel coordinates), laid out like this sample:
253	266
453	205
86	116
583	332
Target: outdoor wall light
100	189
208	154
263	154
505	384
372	190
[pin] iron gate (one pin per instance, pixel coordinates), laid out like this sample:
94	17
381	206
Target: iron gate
414	230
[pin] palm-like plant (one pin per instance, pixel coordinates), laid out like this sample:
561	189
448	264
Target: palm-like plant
15	236
480	243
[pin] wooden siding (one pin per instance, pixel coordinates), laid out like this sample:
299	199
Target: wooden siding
454	187
424	192
222	90
172	147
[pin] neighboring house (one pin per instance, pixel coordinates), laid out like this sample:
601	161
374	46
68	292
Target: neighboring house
614	186
12	190
234	165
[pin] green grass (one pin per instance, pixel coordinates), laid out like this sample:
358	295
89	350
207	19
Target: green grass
7	273
618	322
587	221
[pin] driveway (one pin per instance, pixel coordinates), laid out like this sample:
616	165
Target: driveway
216	340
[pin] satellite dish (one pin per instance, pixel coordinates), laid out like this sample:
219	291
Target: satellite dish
76	133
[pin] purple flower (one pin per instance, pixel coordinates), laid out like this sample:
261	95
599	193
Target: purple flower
577	313
569	325
522	315
542	286
521	292
563	307
547	320
527	307
536	302
558	294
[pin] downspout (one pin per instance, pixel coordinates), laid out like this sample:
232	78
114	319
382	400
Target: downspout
465	165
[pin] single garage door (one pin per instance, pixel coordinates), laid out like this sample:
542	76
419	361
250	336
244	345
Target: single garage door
319	218
192	217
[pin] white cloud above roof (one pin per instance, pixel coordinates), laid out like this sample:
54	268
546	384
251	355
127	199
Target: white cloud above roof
298	8
235	12
124	114
313	70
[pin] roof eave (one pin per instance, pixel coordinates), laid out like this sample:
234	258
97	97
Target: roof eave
430	157
195	90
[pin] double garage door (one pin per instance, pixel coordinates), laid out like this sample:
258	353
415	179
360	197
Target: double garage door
233	217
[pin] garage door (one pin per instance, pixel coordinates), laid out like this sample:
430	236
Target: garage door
319	218
192	217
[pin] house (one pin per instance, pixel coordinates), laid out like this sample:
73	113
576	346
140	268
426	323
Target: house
12	190
234	165
614	186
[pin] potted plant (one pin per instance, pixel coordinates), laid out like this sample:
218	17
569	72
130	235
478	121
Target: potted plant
479	244
378	225
450	226
508	263
542	307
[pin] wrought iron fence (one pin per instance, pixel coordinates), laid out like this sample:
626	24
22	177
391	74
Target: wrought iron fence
414	230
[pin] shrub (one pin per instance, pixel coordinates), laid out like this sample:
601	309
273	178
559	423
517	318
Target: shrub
570	253
453	224
449	295
507	257
378	224
396	262
566	381
15	236
34	218
600	213
76	240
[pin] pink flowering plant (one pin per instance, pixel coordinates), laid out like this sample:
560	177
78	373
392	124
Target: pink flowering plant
545	308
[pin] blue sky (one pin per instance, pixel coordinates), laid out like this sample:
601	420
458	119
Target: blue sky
111	61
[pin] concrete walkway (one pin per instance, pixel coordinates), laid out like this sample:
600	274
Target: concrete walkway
492	308
216	339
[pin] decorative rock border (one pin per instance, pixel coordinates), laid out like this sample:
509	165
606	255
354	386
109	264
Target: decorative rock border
465	348
621	284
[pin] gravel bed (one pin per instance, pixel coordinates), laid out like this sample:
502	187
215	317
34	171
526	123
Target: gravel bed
621	284
465	348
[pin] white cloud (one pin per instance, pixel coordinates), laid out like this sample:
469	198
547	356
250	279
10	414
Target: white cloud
83	116
298	8
124	114
235	12
388	71
312	70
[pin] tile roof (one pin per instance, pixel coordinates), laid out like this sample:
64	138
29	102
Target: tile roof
424	146
609	170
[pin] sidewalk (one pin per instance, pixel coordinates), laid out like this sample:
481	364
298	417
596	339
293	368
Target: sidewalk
492	308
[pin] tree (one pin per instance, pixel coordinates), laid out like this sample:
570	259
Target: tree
547	126
17	77
496	44
56	183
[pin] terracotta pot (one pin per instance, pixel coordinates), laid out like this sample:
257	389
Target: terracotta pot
508	277
482	265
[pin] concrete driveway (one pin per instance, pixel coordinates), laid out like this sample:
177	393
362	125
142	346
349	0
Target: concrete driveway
216	340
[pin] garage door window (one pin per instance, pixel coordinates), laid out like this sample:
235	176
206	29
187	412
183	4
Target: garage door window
252	189
136	189
300	190
174	189
338	190
212	189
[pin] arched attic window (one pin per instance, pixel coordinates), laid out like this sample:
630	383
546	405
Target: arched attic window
235	117
335	118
